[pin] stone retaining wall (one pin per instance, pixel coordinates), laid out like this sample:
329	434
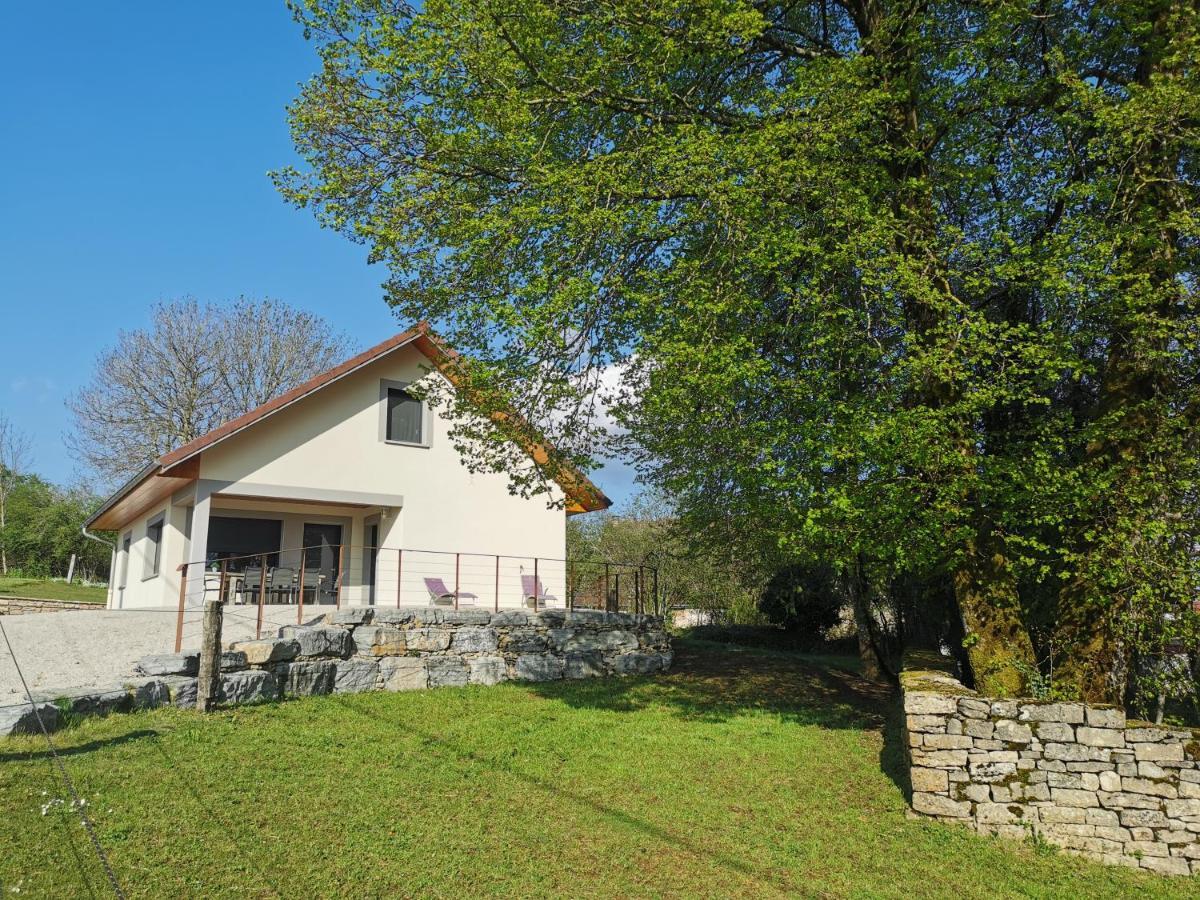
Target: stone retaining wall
1078	776
17	606
367	648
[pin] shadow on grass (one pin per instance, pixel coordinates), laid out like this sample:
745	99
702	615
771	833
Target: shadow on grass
559	793
707	683
78	749
715	682
227	829
893	757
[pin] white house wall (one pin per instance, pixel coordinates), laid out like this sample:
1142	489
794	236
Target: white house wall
328	446
161	589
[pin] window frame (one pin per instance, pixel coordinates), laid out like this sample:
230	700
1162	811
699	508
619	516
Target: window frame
124	555
385	387
152	558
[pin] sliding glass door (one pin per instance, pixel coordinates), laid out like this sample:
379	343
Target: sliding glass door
322	550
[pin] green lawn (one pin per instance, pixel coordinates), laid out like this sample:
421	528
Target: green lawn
741	774
45	589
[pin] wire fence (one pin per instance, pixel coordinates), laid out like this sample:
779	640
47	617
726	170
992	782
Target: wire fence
262	592
285	584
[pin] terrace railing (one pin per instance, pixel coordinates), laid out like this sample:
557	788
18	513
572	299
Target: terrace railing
345	574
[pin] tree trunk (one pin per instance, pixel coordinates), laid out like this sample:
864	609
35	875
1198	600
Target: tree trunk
997	642
873	668
1133	400
984	588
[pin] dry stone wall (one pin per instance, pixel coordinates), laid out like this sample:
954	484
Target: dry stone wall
368	648
1079	776
18	606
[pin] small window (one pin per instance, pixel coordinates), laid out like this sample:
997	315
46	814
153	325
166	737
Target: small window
154	536
404	417
126	543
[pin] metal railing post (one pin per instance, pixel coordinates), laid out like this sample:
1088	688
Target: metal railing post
497	600
570	585
456	567
262	595
399	576
341	578
617	592
182	596
536	591
300	590
607	593
656	610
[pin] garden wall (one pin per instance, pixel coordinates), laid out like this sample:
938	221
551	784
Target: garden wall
16	606
367	649
1075	775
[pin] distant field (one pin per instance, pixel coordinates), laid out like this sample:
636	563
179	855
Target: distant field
45	589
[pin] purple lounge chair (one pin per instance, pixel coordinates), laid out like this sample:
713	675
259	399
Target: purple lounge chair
440	595
535	592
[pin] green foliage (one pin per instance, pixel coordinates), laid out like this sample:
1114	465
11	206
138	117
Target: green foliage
42	530
909	290
647	535
803	599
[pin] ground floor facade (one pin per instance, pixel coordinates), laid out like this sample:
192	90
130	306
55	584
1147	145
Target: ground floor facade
330	550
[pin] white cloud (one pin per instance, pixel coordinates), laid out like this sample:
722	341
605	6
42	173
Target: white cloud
39	387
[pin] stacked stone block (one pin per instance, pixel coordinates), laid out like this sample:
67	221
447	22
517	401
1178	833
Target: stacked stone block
1079	776
369	648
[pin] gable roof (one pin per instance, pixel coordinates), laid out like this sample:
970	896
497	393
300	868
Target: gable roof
179	466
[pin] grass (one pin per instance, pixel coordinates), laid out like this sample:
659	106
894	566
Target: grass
50	589
744	773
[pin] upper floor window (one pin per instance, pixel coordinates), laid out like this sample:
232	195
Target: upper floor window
405	417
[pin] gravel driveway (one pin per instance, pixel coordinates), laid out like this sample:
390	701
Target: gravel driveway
98	648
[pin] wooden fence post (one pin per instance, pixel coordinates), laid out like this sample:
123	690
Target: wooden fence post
208	684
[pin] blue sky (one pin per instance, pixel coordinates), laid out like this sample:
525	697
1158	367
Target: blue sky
137	141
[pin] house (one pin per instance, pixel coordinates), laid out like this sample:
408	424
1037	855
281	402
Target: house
346	490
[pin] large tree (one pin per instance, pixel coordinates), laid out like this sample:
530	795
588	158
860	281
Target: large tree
905	287
194	367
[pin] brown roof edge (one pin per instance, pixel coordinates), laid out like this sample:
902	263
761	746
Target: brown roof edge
582	494
287	399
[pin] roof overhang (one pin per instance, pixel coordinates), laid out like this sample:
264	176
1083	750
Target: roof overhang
147	489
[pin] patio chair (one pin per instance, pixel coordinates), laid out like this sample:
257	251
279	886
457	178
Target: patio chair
251	582
440	595
534	592
281	583
212	586
312	585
